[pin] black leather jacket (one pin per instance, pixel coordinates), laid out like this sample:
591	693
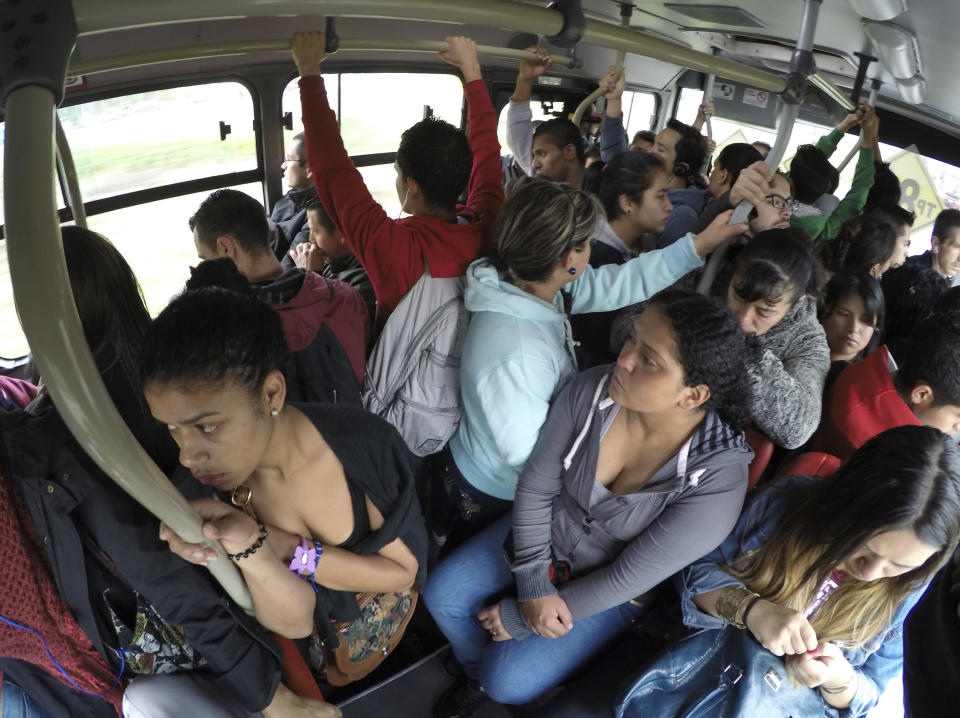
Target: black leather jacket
73	505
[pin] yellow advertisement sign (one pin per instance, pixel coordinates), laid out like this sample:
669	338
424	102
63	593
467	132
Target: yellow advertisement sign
917	191
737	136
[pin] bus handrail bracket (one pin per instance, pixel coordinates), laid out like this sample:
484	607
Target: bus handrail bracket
36	41
574	23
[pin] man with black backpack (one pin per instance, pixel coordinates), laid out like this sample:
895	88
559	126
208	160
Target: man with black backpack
325	320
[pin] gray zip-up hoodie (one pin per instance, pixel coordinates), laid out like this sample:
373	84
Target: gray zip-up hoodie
617	546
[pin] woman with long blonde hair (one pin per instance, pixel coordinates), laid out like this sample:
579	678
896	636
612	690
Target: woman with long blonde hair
824	571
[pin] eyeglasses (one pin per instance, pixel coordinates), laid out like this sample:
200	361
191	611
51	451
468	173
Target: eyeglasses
779	202
292	160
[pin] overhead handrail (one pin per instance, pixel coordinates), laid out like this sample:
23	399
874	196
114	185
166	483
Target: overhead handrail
801	66
69	171
855	150
48	315
626	12
830	90
95	16
80	66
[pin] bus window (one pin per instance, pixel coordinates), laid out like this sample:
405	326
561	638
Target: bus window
639	111
150	139
374	109
157	243
290	102
927	185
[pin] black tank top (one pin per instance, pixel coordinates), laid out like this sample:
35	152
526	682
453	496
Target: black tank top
361	518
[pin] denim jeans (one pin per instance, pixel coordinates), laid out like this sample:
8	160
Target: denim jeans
477	575
17	704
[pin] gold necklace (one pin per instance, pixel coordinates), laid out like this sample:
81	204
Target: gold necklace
241	496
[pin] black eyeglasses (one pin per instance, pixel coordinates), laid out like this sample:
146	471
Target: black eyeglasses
779	202
291	160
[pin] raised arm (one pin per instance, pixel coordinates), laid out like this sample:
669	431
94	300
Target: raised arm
852	203
614	286
519	117
485	190
613	136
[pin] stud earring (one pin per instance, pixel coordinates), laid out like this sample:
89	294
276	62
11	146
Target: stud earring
274	413
573	270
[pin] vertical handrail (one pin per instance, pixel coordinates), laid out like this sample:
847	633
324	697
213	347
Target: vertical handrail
625	13
855	150
69	171
800	67
45	304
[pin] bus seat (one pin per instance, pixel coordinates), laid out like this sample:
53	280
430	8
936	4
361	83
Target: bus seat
294	671
811	463
762	451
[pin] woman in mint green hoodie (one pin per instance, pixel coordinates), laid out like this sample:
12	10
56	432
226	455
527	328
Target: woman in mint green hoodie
519	352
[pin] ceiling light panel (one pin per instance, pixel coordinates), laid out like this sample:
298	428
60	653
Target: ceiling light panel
896	47
728	15
879	9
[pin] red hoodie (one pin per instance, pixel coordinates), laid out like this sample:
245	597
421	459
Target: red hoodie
305	301
392	251
862	403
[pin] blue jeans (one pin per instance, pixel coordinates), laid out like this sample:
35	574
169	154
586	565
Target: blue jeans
476	575
18	704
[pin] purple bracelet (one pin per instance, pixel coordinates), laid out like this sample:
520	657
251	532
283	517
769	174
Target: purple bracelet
304	563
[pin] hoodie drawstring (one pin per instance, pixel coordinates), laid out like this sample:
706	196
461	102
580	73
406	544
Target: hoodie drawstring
568	459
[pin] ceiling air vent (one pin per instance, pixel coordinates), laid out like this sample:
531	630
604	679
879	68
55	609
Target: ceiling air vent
716	14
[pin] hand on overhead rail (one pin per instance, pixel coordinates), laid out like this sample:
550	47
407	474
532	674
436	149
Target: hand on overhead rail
530	70
613	83
308	49
753	185
462	52
718	232
869	126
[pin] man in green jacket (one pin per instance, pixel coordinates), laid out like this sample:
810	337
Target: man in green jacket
811	174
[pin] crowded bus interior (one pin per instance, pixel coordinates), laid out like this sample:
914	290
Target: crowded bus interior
480	358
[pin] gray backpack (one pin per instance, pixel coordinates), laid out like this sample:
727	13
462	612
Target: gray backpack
413	372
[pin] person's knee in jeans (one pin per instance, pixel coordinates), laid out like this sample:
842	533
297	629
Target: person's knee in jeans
509	682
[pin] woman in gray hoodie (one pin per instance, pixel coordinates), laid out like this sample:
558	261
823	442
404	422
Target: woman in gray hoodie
640	469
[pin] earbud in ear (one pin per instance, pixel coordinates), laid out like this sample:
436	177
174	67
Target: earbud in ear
680	170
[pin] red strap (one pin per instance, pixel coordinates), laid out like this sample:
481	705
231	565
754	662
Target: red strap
294	670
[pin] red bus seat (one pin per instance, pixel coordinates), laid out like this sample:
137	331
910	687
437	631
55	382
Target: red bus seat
811	463
762	451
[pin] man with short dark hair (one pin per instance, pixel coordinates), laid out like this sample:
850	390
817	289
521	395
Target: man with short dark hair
232	224
435	163
289	221
874	394
556	153
944	253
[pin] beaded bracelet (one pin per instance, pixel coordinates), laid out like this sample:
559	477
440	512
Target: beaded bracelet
304	563
256	544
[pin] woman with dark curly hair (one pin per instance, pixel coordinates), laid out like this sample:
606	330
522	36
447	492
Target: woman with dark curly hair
640	469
